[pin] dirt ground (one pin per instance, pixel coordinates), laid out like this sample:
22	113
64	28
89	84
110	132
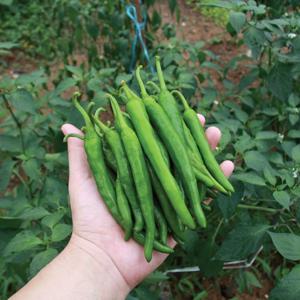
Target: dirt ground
192	27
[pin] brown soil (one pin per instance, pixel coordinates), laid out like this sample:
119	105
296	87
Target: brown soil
194	27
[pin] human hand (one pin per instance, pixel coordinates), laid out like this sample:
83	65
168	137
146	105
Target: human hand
94	226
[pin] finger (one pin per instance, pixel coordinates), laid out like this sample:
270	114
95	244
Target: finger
227	167
202	119
213	135
78	166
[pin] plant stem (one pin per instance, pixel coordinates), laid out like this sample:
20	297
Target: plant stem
217	231
19	125
252	207
27	186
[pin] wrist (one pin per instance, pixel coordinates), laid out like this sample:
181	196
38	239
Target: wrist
102	275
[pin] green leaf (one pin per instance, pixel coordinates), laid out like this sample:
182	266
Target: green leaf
208	265
295	134
241	242
172	5
288	147
156	20
7	45
293	118
245	281
35	78
228	204
255	160
22	100
100	99
7	222
254	39
93	29
53	219
35	213
76	71
268	173
218	3
280	81
245	142
287	244
122	76
248	79
155	277
94	84
296	153
237	20
283	198
276	158
41	259
64	85
250	177
10	143
252	280
60	232
25	240
294	100
6	2
270	111
289	286
6	168
144	293
32	169
266	135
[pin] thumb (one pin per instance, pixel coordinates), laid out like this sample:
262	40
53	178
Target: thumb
78	165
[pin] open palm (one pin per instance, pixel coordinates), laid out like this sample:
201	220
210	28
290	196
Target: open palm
93	223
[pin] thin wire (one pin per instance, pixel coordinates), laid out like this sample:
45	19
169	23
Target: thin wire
138	27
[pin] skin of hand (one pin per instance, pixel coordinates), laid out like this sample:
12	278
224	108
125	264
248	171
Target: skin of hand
97	240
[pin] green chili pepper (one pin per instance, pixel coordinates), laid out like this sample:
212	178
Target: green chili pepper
168	210
162	225
109	158
140	238
176	150
123	169
197	131
140	174
95	157
146	136
199	168
168	103
124	210
202	188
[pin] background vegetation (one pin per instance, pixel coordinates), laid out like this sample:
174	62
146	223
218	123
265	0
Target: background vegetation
86	45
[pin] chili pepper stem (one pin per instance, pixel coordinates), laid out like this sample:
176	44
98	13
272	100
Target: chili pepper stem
181	98
153	85
85	115
99	110
90	107
160	74
129	93
99	123
75	135
116	110
140	82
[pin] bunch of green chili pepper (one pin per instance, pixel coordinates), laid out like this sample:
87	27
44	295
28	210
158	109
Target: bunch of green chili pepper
154	166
